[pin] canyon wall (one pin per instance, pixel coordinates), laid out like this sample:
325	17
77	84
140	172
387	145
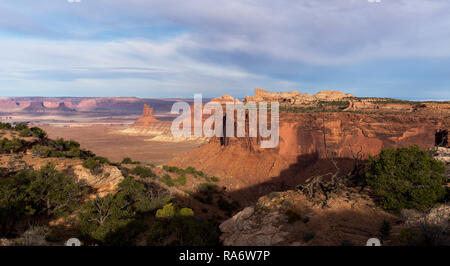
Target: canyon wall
308	141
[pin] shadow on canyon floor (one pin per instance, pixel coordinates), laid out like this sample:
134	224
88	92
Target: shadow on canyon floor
306	166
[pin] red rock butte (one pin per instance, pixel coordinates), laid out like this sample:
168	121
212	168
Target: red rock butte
147	118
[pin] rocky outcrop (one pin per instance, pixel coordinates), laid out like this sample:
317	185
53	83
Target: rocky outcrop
296	98
225	99
156	130
291	219
104	183
332	95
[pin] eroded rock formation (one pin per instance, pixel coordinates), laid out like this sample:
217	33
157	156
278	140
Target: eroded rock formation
296	98
307	142
147	118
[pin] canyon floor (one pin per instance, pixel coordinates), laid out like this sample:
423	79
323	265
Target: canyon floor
104	141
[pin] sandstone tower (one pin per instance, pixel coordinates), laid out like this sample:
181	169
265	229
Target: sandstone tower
147	117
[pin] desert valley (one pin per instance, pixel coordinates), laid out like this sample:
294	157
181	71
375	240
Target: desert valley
314	188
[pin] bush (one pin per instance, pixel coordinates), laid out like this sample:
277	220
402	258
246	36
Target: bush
168	211
205	192
41	151
127	160
93	165
190	170
46	192
39	133
13	146
20	126
212	179
143	172
181	180
117	219
60	148
166	179
25	133
5	125
406	178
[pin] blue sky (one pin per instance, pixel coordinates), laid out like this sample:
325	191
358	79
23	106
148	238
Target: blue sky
168	48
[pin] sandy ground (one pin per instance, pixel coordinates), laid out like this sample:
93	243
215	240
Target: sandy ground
102	140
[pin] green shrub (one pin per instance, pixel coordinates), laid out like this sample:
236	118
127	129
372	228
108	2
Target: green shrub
181	228
127	160
20	126
117	219
38	132
25	133
173	169
168	211
188	171
211	179
186	212
143	172
5	125
93	165
406	178
166	179
46	193
13	146
102	160
181	180
41	151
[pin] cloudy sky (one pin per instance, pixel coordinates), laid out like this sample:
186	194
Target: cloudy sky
175	48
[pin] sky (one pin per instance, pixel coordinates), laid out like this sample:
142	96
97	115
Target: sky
175	48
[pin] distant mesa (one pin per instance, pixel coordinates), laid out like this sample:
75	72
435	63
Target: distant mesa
295	97
225	99
63	108
39	107
36	107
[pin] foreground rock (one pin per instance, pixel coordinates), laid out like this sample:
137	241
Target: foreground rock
291	219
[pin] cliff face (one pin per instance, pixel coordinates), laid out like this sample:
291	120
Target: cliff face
295	98
36	107
112	105
307	142
350	216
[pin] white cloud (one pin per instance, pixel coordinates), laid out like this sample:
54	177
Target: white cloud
224	44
